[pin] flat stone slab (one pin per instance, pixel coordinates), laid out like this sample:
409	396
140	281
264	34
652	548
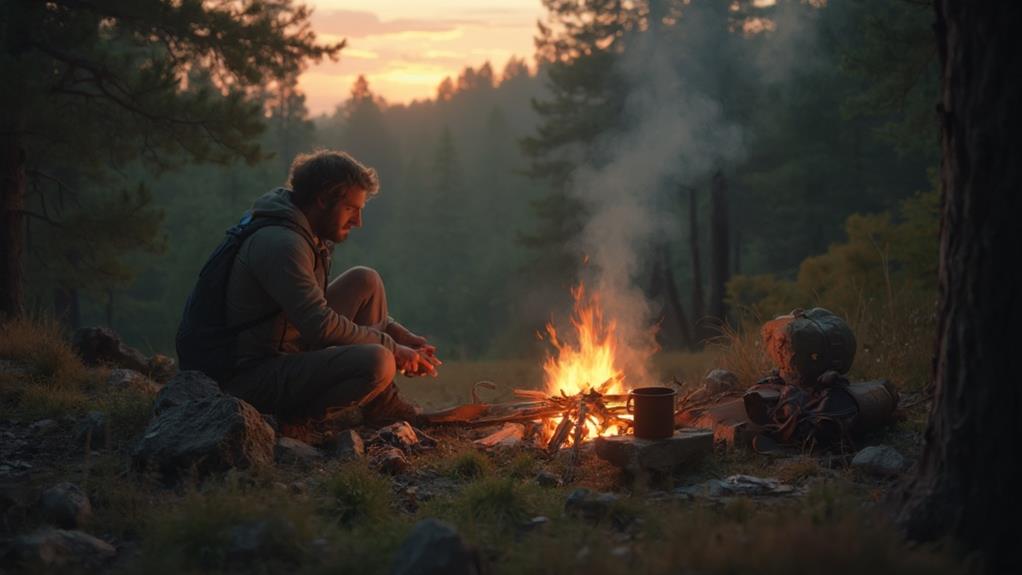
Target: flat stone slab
661	455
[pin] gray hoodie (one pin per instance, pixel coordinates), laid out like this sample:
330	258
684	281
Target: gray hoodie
277	269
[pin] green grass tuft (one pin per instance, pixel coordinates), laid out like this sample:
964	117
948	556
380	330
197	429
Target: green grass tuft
358	494
468	464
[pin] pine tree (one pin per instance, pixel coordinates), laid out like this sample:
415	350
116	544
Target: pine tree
97	85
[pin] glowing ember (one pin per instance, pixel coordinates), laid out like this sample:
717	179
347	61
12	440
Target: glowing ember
587	365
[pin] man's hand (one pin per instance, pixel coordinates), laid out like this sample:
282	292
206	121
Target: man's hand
422	361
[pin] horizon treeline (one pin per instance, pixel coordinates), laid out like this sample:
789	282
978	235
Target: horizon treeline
474	224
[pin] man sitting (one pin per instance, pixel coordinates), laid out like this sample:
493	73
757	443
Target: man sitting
307	345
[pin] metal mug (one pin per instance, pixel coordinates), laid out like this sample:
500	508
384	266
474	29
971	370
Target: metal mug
653	408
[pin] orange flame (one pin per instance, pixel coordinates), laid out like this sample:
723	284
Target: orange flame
589	364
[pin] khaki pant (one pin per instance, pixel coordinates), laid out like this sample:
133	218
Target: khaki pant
305	384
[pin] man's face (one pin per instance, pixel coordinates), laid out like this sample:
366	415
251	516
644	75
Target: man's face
336	221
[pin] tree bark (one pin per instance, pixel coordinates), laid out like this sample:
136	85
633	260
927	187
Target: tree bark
12	234
698	304
67	308
675	326
720	271
965	484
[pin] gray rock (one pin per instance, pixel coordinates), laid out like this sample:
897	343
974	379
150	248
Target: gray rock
737	485
290	450
435	548
96	345
588	505
65	505
210	434
719	380
93	430
348	445
400	435
661	455
880	461
547	479
43	427
58	548
186	386
129	379
392	460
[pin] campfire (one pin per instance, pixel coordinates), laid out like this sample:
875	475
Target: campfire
584	395
583	381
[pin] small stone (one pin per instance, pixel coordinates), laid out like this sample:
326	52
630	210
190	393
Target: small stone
537	522
290	450
434	547
65	505
348	445
661	455
548	479
880	461
588	505
392	461
43	426
129	379
622	552
92	430
400	434
720	380
59	548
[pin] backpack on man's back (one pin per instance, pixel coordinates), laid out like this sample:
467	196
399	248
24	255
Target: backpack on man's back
205	342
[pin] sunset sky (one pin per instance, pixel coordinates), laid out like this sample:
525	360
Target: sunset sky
406	47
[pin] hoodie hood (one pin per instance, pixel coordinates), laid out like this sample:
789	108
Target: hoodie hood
277	203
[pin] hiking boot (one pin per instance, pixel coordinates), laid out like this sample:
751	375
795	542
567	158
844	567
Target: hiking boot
305	431
388	407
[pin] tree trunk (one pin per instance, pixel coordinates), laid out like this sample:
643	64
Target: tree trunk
675	326
720	271
698	304
12	234
964	484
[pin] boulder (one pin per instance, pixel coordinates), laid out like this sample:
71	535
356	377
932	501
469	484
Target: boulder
57	548
186	386
879	461
658	455
129	379
102	345
65	505
209	434
290	450
435	548
347	445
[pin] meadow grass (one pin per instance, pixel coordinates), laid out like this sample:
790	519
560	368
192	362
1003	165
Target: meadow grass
350	518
